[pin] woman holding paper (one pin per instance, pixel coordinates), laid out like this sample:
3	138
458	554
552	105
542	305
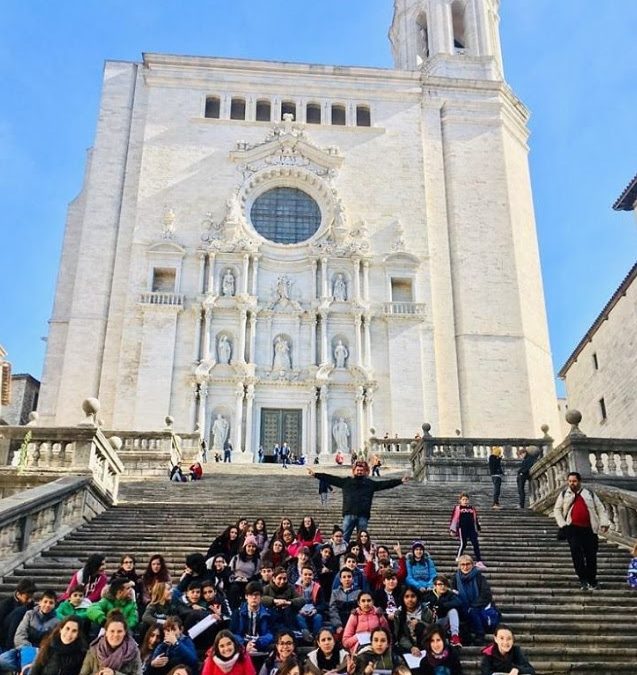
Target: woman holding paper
362	621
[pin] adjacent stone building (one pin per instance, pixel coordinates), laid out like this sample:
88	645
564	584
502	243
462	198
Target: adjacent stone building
277	252
5	384
25	391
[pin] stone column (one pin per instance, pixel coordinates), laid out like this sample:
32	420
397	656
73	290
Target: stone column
313	283
246	268
202	270
313	340
357	280
324	351
249	450
357	335
253	338
255	269
369	400
201	413
211	273
312	427
242	336
207	336
360	419
198	322
324	284
325	427
194	412
366	280
368	340
238	419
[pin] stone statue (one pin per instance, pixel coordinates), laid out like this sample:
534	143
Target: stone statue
227	283
281	354
340	288
340	432
283	288
224	349
219	432
340	354
233	209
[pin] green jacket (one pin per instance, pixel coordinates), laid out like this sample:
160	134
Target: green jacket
66	609
98	611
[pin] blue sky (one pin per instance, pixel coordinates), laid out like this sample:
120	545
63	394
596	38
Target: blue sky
572	62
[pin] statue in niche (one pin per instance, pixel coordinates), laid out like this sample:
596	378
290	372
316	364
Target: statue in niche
224	349
340	354
283	288
219	432
340	288
227	283
281	354
340	432
233	209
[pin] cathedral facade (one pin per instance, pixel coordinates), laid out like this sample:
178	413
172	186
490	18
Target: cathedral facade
276	252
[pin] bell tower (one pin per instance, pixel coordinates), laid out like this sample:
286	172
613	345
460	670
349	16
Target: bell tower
453	38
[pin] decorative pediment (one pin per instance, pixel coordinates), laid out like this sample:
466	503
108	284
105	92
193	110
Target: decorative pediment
340	242
167	248
402	259
287	146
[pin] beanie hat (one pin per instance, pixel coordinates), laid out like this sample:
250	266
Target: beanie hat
418	544
250	539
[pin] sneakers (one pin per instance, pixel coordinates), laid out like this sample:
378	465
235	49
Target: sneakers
497	507
455	641
308	637
480	565
594	587
584	586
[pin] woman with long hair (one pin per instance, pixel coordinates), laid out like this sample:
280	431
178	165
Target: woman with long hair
154	636
284	649
227	657
227	544
91	576
260	532
276	555
309	534
114	652
128	571
160	606
284	524
378	655
63	651
327	657
244	567
219	573
411	622
365	542
439	656
364	619
156	571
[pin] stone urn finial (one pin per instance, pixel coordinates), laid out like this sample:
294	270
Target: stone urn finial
116	443
90	406
169	422
34	418
372	431
574	417
426	428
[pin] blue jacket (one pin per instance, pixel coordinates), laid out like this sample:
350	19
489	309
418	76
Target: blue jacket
420	573
183	651
240	627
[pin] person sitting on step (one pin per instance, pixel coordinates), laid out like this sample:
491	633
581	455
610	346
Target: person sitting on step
120	595
349	561
296	565
421	569
411	622
177	648
474	593
364	619
389	596
91	576
283	650
310	616
156	571
439	657
12	609
227	657
251	623
244	567
343	600
279	597
309	534
504	656
445	606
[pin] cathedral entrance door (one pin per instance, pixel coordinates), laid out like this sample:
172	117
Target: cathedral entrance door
280	426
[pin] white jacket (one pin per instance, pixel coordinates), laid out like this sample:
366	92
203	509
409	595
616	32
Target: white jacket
596	510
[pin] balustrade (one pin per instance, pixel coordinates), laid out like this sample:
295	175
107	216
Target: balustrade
404	308
159	298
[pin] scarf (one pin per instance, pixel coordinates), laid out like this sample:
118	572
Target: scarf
226	665
468	586
115	658
436	659
327	663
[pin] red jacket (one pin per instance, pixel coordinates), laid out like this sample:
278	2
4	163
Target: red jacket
243	666
375	578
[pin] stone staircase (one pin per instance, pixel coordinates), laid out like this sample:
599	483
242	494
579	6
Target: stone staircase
563	629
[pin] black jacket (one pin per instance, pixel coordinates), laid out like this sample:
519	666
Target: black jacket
494	662
11	613
358	491
441	604
62	659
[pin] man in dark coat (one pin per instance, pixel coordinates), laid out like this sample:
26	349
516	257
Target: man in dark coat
358	493
12	609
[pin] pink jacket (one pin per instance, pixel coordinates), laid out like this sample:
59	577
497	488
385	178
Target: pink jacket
360	622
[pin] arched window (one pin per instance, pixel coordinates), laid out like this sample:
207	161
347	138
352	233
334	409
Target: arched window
238	109
458	25
338	114
264	111
423	36
288	107
213	105
313	113
363	118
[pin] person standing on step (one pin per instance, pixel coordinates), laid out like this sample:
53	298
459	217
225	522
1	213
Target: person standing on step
528	460
582	513
497	472
358	493
465	525
285	455
227	452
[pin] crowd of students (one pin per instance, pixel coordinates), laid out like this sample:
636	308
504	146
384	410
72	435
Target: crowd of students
288	602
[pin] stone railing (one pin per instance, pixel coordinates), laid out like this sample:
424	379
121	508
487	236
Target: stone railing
62	450
404	308
393	452
36	518
458	459
607	465
159	298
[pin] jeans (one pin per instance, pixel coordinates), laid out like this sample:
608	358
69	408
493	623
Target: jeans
451	622
497	485
227	456
311	623
522	478
583	543
16	659
350	522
